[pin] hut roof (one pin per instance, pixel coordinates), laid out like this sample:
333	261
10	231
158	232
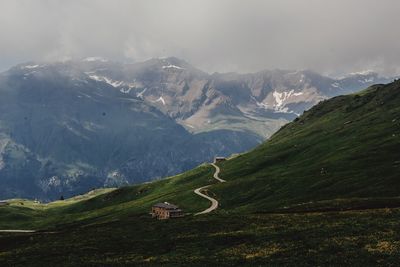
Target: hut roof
166	205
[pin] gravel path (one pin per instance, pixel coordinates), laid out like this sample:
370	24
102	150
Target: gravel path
214	202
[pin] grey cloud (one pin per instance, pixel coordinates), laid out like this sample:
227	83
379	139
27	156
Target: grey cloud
332	36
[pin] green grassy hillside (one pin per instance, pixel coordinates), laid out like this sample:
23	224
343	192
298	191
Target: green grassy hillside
343	148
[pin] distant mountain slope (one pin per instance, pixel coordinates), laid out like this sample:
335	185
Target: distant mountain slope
344	147
62	133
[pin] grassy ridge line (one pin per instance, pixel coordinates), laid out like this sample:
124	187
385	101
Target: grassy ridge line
27	203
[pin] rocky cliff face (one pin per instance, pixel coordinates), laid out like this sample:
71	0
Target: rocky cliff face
68	127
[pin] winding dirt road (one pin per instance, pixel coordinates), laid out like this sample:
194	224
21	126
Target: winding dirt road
214	202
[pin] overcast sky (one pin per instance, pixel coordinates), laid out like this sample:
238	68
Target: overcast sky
328	36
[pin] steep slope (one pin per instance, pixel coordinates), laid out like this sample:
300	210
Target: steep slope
345	147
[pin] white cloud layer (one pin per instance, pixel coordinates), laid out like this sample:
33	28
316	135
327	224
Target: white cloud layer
329	36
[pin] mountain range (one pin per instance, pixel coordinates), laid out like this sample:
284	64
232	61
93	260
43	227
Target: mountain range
67	127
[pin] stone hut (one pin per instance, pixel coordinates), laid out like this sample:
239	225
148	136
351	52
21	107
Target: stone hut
163	211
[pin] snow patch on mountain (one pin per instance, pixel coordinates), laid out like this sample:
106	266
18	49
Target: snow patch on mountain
111	82
141	93
282	97
275	108
126	90
30	66
190	126
279	101
161	99
367	80
170	66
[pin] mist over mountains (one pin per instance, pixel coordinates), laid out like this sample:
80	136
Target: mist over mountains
66	127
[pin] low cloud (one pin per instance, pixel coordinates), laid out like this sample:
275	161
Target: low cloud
332	36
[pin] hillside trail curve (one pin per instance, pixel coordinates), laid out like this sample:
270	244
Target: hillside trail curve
214	202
